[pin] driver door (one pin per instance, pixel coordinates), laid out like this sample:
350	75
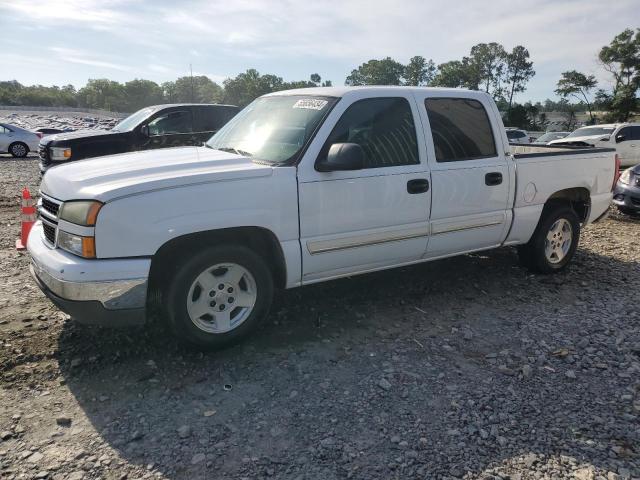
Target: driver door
360	220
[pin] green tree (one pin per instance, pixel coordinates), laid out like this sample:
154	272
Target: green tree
518	71
247	86
142	93
487	66
578	85
377	72
453	74
621	58
103	93
419	71
198	89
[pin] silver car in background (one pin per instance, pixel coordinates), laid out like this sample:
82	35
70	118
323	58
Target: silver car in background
18	141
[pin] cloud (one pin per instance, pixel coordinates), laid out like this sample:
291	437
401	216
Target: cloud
295	37
85	58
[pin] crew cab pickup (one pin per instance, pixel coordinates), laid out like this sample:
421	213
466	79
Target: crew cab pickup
305	186
158	126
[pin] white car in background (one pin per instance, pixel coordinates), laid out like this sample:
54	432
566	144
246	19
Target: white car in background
624	137
516	135
549	137
18	141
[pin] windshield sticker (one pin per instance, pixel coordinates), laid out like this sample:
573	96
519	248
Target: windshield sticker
310	104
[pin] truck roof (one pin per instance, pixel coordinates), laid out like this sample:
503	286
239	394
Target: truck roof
342	91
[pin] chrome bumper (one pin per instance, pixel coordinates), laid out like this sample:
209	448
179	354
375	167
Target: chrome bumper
113	295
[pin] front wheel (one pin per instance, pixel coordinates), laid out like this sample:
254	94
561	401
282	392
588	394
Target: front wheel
219	296
553	243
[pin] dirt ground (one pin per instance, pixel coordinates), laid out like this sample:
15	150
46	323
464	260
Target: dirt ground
462	368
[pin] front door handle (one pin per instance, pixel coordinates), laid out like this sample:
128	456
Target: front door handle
492	179
418	185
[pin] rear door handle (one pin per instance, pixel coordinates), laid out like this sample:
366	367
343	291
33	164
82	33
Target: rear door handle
418	185
492	179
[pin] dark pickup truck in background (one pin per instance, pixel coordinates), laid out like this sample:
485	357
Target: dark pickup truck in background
152	127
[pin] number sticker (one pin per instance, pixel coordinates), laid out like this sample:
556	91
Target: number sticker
310	104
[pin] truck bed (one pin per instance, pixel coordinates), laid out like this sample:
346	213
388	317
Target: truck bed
528	151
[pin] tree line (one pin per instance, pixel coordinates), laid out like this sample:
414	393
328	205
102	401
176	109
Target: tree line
488	67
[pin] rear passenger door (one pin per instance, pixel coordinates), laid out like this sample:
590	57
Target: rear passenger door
207	120
470	174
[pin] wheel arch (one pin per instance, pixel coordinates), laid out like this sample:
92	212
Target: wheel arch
578	198
263	241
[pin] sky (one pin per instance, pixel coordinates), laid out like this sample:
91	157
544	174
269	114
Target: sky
59	42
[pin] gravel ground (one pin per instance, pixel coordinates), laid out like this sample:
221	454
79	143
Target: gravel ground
57	119
462	368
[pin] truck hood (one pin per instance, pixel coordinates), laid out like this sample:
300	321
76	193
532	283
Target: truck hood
66	136
115	176
589	139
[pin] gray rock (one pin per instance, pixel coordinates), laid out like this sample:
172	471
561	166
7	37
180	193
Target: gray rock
198	458
184	431
384	384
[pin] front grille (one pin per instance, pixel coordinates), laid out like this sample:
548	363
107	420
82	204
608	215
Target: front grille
50	207
49	233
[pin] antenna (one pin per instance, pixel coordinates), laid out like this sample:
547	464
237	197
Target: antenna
191	74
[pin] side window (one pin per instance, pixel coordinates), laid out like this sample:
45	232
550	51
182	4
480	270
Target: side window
2	130
460	128
383	127
635	133
170	123
206	119
623	135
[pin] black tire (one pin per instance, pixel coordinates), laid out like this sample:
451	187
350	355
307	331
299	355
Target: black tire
178	289
533	255
18	150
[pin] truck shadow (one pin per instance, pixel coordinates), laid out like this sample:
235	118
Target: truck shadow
304	397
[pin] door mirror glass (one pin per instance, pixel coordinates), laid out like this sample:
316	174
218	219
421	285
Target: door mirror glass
342	156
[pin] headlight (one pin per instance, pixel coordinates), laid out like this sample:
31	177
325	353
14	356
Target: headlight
626	177
60	153
81	246
81	212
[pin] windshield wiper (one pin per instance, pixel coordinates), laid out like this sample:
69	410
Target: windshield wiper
232	150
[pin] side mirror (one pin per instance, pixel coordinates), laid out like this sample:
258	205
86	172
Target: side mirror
144	130
620	138
342	156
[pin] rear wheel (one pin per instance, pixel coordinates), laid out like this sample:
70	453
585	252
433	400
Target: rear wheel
554	241
18	150
219	296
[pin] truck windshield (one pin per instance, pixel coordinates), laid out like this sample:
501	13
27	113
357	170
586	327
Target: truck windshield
273	129
133	120
591	131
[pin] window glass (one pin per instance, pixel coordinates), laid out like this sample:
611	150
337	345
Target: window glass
515	134
635	133
383	127
208	119
591	131
133	120
273	129
626	133
171	123
460	128
2	129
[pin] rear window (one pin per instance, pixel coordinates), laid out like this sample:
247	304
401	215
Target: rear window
460	128
211	119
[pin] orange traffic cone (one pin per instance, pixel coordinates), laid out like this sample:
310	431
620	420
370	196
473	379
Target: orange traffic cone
28	219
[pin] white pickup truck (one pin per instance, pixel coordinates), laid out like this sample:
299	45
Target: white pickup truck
300	187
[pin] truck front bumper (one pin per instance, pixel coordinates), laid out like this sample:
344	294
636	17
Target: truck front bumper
110	292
